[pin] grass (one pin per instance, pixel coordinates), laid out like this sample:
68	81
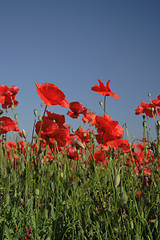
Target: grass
66	199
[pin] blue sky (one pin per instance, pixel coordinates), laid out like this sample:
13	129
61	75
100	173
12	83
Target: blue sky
72	44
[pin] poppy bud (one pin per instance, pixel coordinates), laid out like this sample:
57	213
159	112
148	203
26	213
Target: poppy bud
39	118
144	123
91	135
73	131
124	197
12	106
35	112
24	134
117	180
84	135
149	95
132	224
36	191
100	103
152	109
16	116
80	144
41	105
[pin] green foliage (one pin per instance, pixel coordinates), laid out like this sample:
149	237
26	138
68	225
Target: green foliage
62	202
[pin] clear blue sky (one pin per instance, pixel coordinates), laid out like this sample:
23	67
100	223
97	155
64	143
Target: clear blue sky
72	44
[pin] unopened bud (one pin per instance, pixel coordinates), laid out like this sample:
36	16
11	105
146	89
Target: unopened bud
16	116
73	131
39	118
24	134
35	112
41	105
124	197
144	123
84	135
152	109
36	191
12	106
117	181
80	144
91	135
100	103
149	95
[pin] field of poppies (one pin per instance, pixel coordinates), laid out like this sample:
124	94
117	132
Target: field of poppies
78	184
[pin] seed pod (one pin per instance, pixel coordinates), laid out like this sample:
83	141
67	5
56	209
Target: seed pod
36	191
117	180
132	224
124	197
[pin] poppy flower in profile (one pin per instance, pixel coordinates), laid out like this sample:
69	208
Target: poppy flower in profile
76	109
146	108
104	90
89	117
51	95
7	125
8	95
157	101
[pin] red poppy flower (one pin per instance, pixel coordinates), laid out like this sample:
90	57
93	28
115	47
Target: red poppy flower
60	136
100	156
47	128
51	95
157	101
118	144
145	108
59	119
80	133
89	117
104	90
76	109
11	145
28	233
50	131
72	153
7	125
107	129
8	95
